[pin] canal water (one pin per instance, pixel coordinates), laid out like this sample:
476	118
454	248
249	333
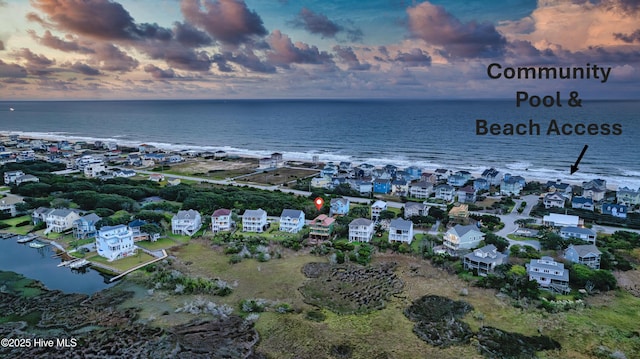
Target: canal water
38	264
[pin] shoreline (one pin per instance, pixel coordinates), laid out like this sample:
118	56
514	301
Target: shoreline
521	168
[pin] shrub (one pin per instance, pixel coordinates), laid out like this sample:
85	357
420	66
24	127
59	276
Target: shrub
235	259
316	316
23	223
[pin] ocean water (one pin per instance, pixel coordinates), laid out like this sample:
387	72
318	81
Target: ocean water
429	134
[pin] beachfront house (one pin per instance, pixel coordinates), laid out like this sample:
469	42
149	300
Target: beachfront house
484	260
616	210
339	206
320	228
441	174
401	230
587	254
585	234
421	189
561	220
429	177
115	242
291	220
462	237
553	199
377	208
492	176
221	220
412	209
580	202
186	223
399	187
360	230
85	226
467	194
413	172
445	192
381	185
456	180
60	220
481	184
254	220
561	188
628	196
594	189
11	176
511	186
549	274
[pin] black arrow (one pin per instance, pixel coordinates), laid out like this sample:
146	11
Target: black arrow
574	167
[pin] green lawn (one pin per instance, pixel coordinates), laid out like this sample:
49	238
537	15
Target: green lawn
162	243
179	238
124	263
15	220
519	238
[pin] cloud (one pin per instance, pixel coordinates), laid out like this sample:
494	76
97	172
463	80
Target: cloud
102	19
284	52
436	26
84	69
158	73
628	38
57	43
315	23
35	64
1	45
414	58
228	21
110	58
189	36
347	55
177	55
12	70
320	24
244	57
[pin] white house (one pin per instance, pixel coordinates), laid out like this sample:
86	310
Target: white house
445	192
114	242
11	176
94	169
585	234
360	230
291	220
124	173
463	237
186	222
8	204
26	178
549	274
415	209
254	220
553	199
421	189
484	260
376	208
60	220
400	230
221	220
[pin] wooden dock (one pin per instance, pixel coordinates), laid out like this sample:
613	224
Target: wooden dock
164	255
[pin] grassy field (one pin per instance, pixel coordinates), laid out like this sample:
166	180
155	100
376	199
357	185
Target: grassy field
520	238
162	243
610	319
124	263
278	176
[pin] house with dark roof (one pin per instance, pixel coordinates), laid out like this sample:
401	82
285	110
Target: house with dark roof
412	209
481	184
467	194
400	230
291	220
580	202
594	189
587	254
420	189
553	200
381	186
484	260
561	188
492	176
585	234
221	220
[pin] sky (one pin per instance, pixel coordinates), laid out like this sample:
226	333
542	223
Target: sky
228	49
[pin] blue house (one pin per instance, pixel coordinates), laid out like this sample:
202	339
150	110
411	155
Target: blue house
381	186
481	184
391	170
414	172
457	180
329	170
339	206
85	226
582	203
616	210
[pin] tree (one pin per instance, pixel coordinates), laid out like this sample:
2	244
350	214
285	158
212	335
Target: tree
386	214
359	212
500	243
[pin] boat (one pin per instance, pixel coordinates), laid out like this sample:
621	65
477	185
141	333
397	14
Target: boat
79	264
36	245
11	109
26	239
